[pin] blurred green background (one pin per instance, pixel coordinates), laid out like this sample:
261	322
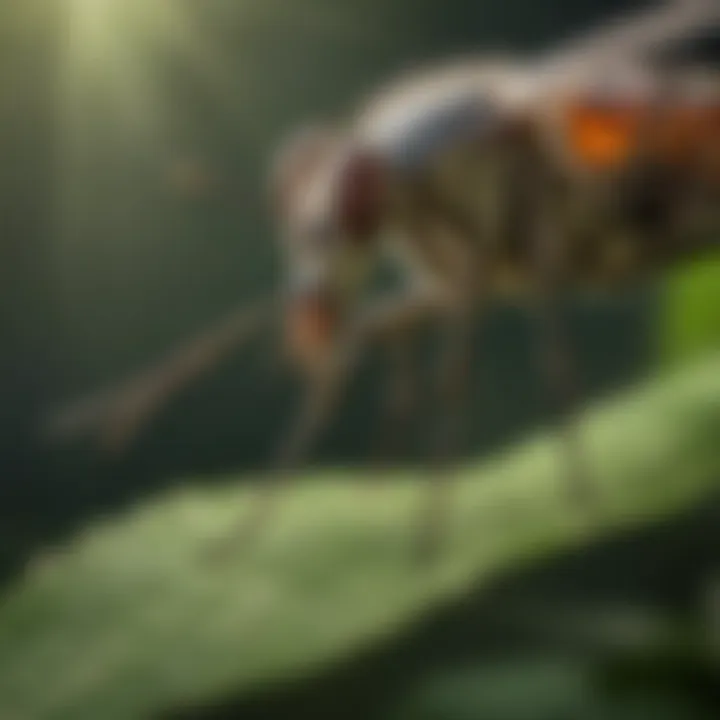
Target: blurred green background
134	138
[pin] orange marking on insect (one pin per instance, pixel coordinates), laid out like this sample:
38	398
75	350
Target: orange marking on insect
603	137
310	326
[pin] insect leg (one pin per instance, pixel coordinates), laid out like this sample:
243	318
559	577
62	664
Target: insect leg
554	347
453	379
380	323
321	397
395	320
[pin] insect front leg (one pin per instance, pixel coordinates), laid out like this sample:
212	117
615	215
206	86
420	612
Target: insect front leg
381	322
322	394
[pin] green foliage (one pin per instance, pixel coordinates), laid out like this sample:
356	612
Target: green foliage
545	689
134	614
691	323
656	668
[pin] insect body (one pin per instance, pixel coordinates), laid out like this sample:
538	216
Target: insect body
583	169
485	183
453	173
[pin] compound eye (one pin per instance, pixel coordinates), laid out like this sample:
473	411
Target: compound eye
359	192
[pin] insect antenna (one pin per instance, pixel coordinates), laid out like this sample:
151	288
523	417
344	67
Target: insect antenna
117	416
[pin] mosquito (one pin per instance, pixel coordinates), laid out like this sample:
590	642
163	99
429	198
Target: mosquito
481	179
